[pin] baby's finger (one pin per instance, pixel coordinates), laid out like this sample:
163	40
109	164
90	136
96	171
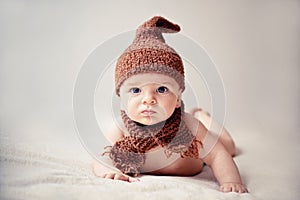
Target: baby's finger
243	190
239	189
109	176
131	179
234	188
121	177
101	175
225	189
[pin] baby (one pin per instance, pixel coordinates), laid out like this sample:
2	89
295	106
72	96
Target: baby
157	136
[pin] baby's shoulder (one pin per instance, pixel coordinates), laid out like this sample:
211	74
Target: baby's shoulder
195	126
114	134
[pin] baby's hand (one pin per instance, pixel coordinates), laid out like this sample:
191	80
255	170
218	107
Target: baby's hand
119	176
233	187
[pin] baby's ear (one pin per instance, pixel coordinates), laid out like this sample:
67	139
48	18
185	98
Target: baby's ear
178	103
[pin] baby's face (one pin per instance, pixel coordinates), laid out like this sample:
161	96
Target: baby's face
150	98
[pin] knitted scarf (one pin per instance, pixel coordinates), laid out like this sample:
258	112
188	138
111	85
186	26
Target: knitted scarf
128	153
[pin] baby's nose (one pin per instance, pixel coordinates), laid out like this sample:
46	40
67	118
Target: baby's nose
149	98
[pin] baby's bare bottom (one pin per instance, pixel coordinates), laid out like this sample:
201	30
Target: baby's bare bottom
224	138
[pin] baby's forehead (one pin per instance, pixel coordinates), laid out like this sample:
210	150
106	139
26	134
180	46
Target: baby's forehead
154	78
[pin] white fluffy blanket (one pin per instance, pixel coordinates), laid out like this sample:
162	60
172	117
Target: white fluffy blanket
30	172
36	167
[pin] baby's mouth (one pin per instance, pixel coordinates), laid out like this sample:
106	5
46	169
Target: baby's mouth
148	112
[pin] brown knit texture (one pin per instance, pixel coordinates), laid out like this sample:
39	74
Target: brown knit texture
128	153
149	53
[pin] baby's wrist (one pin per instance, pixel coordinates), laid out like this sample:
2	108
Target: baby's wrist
232	184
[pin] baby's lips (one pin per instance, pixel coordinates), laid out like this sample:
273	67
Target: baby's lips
148	112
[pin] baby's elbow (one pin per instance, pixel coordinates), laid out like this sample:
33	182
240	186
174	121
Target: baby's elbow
228	142
232	149
216	153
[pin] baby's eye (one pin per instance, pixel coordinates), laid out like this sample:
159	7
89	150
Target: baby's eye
162	90
135	90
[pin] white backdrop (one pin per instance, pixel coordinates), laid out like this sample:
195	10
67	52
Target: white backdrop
255	45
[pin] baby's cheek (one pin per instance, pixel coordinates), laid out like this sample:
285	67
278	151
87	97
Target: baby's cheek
125	102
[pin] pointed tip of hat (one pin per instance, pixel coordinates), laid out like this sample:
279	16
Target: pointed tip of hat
160	22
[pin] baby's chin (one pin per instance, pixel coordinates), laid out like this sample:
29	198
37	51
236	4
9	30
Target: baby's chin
148	121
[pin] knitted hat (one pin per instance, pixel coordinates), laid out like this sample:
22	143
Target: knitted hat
150	53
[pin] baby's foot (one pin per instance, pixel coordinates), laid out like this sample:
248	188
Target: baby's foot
202	115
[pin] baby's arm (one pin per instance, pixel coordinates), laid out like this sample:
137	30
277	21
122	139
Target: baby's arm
219	158
105	172
224	169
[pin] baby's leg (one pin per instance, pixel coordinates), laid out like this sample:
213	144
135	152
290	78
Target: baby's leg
225	137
